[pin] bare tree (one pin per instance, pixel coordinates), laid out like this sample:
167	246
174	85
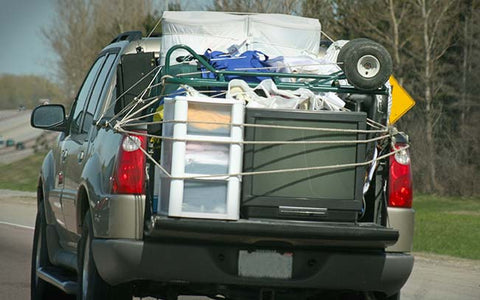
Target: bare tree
67	36
110	19
326	12
258	6
82	27
465	110
437	21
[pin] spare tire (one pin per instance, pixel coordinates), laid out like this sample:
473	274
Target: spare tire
366	64
346	48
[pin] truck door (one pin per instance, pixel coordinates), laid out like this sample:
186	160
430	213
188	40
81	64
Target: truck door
77	144
73	139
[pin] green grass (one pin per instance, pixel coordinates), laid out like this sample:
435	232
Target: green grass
21	175
447	225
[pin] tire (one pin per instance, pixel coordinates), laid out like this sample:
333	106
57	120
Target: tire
41	290
394	297
378	296
366	64
346	48
90	285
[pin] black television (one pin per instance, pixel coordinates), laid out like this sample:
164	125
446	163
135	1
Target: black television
328	194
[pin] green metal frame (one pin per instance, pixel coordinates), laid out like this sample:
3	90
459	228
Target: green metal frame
317	83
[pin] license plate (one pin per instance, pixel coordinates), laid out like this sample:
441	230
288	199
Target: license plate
265	264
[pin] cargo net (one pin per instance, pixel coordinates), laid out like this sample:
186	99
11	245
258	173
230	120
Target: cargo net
147	110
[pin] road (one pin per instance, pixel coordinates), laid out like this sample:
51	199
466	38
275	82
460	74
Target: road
15	125
15	249
434	277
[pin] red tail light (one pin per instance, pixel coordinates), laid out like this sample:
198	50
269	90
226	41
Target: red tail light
400	185
129	176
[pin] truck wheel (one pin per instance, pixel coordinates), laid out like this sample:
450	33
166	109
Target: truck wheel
394	297
346	48
91	286
367	64
41	290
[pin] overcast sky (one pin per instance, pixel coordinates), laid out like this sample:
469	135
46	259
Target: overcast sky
22	49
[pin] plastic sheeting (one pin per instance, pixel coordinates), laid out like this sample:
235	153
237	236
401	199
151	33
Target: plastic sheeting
273	34
275	98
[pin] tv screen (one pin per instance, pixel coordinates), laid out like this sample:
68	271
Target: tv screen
333	194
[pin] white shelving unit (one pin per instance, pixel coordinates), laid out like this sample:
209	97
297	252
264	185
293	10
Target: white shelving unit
201	149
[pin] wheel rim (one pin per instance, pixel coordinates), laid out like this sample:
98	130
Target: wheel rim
368	66
85	270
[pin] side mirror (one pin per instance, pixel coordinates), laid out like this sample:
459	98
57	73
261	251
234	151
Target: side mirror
49	117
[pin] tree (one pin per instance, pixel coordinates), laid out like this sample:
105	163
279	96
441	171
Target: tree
421	36
26	90
279	6
81	28
437	19
463	110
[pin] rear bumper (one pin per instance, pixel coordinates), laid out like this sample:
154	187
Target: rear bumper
325	255
120	261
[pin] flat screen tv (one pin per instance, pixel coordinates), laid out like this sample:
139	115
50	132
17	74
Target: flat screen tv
329	194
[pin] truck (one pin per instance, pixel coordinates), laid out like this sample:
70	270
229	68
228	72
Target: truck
165	180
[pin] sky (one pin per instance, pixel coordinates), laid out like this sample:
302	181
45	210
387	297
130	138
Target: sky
23	50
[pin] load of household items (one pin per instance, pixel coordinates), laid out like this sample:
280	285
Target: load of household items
249	116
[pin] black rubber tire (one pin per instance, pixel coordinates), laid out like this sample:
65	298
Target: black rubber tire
346	48
363	50
394	297
97	288
39	289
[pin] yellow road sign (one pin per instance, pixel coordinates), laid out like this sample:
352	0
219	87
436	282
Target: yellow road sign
401	101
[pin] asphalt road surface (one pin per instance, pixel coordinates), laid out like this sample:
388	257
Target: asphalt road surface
15	125
433	277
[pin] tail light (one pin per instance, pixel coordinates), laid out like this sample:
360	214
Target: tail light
129	176
400	184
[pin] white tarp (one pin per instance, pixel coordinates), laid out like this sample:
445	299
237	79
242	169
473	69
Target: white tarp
273	34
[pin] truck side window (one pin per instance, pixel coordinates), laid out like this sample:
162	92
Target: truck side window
95	98
79	105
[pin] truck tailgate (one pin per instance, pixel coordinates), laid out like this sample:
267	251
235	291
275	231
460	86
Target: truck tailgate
288	233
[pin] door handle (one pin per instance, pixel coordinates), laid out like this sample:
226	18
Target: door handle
64	155
80	156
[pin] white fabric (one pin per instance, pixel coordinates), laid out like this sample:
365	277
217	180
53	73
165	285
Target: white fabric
282	99
276	99
327	101
304	64
332	52
273	34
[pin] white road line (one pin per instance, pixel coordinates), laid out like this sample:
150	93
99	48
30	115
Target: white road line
17	225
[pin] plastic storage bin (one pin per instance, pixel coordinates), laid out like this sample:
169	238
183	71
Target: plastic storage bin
201	149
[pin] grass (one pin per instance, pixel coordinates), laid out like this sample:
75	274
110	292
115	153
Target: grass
21	175
448	226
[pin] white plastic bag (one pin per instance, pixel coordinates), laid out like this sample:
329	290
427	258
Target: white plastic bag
267	95
274	97
303	64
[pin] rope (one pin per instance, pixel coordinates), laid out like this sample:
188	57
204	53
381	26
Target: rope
321	129
154	27
124	93
329	38
342	142
130	117
132	113
226	176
